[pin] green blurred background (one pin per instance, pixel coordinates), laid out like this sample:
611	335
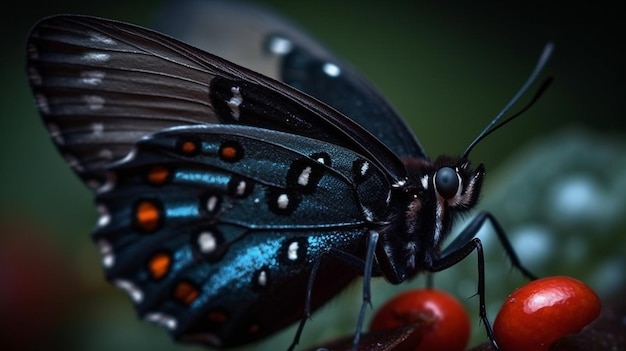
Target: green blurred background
556	176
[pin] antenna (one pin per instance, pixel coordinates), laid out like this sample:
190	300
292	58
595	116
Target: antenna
496	123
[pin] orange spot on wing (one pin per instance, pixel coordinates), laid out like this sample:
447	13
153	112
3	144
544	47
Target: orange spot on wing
229	152
159	265
148	216
188	147
185	292
158	175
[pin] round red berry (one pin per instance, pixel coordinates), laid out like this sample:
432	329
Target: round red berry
539	313
441	321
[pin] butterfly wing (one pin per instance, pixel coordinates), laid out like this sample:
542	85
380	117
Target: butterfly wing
268	43
217	187
102	85
206	227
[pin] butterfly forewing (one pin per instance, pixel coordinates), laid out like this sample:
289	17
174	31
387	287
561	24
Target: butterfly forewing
101	85
99	92
205	227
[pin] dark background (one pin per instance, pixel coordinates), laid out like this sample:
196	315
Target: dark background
448	67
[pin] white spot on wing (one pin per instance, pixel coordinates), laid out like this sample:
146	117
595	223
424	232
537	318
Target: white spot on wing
331	69
135	293
280	46
106	250
164	320
292	251
241	188
96	57
211	203
105	217
234	102
94	102
207	242
282	201
262	280
364	167
99	38
92	77
303	178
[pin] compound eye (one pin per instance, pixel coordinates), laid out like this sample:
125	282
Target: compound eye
447	182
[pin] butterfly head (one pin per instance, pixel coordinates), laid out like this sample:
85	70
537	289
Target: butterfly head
444	188
455	183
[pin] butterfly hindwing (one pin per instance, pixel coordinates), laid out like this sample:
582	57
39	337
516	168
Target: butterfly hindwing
204	227
261	39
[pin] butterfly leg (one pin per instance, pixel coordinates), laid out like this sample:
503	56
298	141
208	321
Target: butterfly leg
472	229
352	261
367	277
463	245
307	305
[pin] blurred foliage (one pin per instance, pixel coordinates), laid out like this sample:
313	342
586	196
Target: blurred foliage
556	176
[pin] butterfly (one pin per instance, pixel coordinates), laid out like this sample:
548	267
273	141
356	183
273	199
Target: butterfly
232	204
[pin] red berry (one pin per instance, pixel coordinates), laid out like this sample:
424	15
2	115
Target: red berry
539	313
35	292
442	322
